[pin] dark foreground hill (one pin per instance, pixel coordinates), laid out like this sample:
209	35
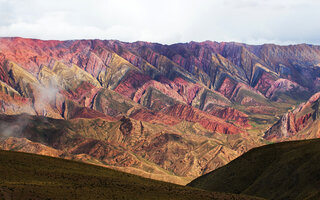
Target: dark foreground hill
288	170
30	176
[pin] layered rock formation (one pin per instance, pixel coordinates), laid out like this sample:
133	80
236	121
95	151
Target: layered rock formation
300	123
146	149
174	111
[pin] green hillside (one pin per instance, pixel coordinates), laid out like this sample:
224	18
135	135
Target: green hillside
29	176
288	170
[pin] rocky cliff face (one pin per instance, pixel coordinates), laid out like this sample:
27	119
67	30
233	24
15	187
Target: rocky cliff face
211	123
300	123
146	107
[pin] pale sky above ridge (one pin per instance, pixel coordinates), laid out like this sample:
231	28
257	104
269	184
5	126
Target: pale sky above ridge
165	21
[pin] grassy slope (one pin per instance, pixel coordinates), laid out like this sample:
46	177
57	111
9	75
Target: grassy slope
29	176
289	170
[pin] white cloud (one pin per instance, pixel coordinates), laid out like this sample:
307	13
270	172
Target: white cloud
166	21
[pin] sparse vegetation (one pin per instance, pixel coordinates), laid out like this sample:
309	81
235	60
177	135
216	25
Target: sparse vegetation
30	176
288	170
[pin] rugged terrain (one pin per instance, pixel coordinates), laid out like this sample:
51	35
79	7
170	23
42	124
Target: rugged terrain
299	123
286	170
29	176
169	112
171	155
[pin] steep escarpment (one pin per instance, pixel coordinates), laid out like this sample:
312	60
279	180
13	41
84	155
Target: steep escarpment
300	123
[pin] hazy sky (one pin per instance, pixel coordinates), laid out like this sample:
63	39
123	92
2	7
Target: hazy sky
164	21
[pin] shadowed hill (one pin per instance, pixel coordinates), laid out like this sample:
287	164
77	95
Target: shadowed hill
288	170
29	176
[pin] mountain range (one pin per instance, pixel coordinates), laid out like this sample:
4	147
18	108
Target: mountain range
166	112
